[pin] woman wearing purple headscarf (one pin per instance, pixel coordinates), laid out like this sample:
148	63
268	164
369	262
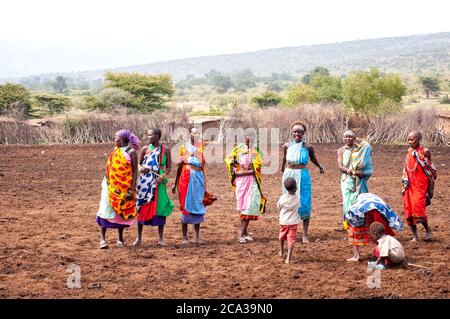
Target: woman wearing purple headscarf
118	199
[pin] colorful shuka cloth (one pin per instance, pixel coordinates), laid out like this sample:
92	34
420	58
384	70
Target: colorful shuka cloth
360	235
358	158
115	211
191	184
419	176
298	154
248	189
367	202
367	209
153	204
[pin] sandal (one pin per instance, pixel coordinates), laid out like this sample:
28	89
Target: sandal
103	244
120	243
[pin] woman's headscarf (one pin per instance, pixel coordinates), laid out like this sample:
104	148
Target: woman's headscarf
129	137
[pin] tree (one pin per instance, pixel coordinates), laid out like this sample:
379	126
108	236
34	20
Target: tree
372	92
222	84
219	81
149	91
14	100
429	84
275	86
266	99
327	88
53	103
244	79
285	76
300	93
317	71
110	97
59	84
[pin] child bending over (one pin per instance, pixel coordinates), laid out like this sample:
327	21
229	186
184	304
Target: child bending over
389	251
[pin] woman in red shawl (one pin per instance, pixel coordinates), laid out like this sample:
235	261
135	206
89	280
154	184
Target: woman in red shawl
419	175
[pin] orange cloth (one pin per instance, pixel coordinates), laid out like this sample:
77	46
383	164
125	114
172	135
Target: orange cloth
359	236
414	198
119	175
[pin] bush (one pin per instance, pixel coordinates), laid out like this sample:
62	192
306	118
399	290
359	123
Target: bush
113	97
275	86
14	100
300	93
54	104
266	99
445	99
373	93
328	89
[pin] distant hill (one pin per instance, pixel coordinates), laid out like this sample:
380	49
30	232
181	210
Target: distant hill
428	53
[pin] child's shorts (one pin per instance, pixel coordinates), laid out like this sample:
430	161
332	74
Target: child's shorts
288	232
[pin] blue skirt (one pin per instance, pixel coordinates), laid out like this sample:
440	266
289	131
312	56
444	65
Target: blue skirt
155	221
192	219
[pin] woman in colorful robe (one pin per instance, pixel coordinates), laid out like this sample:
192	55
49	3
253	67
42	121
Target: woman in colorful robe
355	164
368	208
244	171
153	204
296	155
419	175
191	185
118	200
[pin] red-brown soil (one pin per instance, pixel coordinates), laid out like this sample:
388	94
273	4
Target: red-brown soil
50	197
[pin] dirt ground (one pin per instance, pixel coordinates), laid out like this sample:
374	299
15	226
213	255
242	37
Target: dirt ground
50	198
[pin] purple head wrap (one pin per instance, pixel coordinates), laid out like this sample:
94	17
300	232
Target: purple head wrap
129	137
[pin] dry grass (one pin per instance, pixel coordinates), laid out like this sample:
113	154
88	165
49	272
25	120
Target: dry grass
325	124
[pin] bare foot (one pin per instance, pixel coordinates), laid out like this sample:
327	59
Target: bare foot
354	258
428	235
281	254
305	239
415	239
287	261
137	242
184	241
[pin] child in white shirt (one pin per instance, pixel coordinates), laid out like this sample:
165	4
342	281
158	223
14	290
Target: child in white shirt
389	251
288	204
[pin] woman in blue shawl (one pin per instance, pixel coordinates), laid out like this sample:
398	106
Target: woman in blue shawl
296	156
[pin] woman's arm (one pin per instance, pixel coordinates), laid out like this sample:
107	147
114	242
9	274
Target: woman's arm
427	154
313	158
283	162
168	161
141	160
249	172
340	161
134	164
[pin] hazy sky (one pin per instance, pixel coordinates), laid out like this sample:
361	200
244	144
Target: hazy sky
49	35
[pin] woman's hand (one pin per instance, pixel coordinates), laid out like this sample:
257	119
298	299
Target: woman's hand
174	189
360	174
321	170
129	195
